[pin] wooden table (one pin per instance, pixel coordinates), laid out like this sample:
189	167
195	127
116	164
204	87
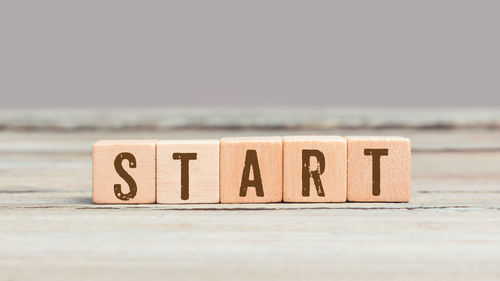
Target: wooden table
50	230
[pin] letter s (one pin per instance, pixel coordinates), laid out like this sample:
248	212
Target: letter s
125	176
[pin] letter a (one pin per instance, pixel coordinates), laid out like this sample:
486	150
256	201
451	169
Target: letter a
251	162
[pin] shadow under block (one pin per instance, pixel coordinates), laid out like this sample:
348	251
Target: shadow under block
251	170
314	169
378	169
124	171
188	171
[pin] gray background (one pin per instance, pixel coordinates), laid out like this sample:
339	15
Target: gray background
267	53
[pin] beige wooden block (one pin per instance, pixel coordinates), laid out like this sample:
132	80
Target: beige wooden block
314	169
378	169
188	171
124	171
251	170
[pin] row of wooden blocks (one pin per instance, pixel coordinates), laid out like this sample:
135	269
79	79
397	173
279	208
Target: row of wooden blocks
252	170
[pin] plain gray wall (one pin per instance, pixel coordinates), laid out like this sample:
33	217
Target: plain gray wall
328	53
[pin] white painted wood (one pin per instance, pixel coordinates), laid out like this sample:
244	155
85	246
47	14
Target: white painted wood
50	230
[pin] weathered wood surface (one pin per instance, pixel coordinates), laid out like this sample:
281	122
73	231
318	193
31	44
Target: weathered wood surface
50	230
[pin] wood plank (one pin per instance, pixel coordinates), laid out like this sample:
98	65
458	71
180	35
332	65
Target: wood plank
378	244
60	120
51	230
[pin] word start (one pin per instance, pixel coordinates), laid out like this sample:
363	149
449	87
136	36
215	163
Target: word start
252	170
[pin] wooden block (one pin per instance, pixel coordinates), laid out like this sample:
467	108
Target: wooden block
251	170
378	169
124	171
314	169
188	171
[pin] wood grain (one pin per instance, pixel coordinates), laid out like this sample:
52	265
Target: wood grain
378	169
50	230
332	173
124	172
264	174
202	172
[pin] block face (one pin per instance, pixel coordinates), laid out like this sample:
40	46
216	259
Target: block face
188	171
242	160
124	172
314	169
378	169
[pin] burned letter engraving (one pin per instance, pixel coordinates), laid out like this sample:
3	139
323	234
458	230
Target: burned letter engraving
184	157
251	162
125	176
315	173
376	154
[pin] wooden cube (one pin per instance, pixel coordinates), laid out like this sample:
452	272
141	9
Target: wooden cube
251	170
188	171
314	169
124	171
378	169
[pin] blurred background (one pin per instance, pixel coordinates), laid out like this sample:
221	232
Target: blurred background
73	72
104	54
